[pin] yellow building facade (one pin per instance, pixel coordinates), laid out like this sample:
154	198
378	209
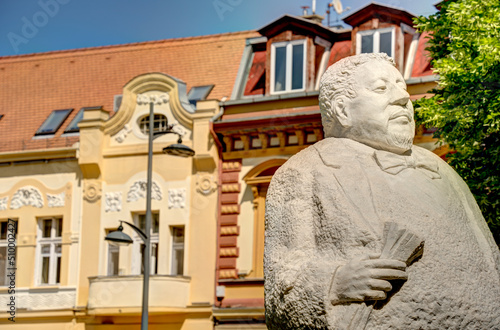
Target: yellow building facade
65	201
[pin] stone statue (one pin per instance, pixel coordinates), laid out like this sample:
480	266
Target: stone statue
365	230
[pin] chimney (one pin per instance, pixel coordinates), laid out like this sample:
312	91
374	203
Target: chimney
312	17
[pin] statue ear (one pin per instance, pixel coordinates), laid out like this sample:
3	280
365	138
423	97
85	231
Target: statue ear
340	111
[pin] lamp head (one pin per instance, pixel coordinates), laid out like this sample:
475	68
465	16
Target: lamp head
118	237
178	149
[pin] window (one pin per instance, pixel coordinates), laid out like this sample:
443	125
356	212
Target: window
113	257
53	122
155	228
8	231
288	66
73	126
160	124
177	250
198	93
1	116
376	41
49	250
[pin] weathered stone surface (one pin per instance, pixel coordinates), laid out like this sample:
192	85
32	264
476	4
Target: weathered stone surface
327	260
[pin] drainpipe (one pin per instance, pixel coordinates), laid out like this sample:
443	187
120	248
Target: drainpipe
219	194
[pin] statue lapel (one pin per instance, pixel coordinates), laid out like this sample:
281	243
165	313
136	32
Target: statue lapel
351	176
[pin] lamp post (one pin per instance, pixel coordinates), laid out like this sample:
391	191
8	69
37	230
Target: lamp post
119	237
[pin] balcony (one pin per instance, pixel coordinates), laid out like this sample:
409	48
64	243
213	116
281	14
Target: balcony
126	291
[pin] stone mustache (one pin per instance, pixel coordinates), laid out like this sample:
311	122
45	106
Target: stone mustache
365	230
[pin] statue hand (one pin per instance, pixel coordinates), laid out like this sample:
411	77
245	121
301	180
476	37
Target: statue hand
366	278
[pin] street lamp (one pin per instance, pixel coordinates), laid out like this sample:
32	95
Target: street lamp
119	237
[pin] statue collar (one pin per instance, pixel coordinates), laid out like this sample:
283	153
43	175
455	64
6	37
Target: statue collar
338	152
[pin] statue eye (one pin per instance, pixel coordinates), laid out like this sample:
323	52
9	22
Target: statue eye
401	84
380	88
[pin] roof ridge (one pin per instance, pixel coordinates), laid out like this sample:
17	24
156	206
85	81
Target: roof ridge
76	51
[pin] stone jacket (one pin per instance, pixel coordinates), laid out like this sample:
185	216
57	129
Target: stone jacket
328	204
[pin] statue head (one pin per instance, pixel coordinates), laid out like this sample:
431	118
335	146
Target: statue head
364	98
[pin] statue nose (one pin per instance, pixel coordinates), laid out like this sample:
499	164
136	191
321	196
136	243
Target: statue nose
401	96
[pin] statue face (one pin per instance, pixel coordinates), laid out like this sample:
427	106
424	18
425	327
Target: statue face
381	113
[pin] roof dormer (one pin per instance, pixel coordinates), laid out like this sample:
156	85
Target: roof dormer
290	57
294	54
380	28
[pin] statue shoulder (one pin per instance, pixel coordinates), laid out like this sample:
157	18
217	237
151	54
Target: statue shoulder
425	153
303	160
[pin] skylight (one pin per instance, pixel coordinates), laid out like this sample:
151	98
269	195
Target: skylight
53	122
73	126
198	93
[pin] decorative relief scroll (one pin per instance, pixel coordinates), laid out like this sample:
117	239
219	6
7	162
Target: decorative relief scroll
206	184
155	98
3	203
113	201
27	196
121	135
92	191
178	128
177	198
138	190
56	200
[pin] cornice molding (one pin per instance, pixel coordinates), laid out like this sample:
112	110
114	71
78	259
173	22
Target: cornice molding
44	154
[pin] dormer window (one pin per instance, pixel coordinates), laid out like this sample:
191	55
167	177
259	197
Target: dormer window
288	66
376	41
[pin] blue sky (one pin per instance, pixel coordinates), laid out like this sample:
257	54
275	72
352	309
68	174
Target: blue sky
33	26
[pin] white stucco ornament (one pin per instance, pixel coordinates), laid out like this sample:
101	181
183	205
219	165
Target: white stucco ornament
178	128
3	203
138	190
365	230
177	198
113	201
26	196
157	99
122	134
56	200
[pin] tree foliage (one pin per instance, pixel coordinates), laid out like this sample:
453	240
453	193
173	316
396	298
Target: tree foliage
465	108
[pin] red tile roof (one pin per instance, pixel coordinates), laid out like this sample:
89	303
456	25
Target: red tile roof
32	86
422	65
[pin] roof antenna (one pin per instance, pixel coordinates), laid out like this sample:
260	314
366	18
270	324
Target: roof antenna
337	6
313	7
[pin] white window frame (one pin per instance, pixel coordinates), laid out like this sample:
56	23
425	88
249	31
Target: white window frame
376	40
288	66
154	241
4	243
175	246
111	250
53	241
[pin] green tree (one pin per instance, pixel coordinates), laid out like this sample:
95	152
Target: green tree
465	108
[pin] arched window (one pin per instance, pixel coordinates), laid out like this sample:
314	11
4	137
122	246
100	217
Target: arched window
160	124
